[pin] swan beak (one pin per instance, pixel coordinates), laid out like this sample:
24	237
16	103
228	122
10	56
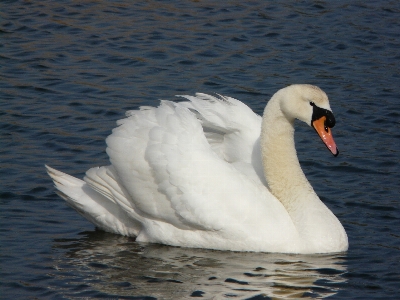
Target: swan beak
325	134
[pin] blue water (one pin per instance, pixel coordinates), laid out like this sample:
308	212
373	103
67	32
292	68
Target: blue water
69	70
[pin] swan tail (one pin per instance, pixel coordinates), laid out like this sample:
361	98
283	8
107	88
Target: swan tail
96	205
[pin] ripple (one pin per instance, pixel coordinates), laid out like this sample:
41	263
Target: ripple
69	71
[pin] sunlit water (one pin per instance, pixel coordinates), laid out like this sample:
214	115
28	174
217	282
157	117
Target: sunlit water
69	70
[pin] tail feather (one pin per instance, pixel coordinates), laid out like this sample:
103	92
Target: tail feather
104	212
104	181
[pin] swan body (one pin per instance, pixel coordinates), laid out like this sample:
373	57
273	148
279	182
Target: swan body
210	173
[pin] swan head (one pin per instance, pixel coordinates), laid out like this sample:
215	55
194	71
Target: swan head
310	104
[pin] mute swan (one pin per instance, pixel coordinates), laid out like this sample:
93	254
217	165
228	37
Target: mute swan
191	174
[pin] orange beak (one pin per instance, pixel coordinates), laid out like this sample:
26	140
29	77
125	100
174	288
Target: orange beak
325	134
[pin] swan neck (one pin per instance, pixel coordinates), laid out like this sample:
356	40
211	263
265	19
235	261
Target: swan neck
282	169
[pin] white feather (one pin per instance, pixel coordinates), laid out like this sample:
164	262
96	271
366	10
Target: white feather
191	174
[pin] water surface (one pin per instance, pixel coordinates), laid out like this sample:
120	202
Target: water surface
69	70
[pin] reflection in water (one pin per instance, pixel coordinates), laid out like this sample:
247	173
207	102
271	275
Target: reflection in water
117	265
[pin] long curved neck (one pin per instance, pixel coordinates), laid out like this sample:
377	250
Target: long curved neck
282	169
319	230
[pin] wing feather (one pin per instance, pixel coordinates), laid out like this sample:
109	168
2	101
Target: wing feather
181	180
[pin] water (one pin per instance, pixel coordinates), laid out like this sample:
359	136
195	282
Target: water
69	70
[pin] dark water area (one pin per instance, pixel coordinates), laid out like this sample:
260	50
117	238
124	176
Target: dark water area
70	70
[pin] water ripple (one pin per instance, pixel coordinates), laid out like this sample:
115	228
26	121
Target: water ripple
70	70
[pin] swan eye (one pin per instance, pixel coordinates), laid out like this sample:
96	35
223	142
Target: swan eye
312	103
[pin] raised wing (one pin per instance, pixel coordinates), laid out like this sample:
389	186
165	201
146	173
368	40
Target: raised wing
233	131
167	166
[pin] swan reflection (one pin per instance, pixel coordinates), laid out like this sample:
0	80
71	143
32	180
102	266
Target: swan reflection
118	265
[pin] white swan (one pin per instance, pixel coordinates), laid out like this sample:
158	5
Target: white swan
191	174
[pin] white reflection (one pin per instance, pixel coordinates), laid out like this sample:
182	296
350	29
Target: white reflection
120	266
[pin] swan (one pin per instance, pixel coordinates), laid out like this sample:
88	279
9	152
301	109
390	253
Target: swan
210	173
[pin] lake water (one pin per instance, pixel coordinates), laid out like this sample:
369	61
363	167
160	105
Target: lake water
70	69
